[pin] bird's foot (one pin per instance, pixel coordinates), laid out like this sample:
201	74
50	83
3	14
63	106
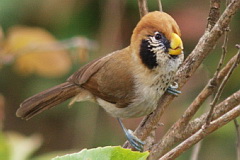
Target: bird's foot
133	140
172	89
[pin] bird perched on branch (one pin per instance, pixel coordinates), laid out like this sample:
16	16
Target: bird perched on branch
126	83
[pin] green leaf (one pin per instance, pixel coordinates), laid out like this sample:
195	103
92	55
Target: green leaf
105	153
51	155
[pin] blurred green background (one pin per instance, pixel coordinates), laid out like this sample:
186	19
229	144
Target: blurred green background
89	29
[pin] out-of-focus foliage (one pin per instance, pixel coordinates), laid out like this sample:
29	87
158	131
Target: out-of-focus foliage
18	147
105	153
23	147
36	51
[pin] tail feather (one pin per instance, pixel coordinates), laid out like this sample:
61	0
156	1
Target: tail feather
47	99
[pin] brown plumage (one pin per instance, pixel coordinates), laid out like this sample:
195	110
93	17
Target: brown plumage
126	83
154	21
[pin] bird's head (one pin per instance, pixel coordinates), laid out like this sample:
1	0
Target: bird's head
156	37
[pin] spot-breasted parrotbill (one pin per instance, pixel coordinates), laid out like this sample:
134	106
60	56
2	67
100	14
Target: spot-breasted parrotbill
126	83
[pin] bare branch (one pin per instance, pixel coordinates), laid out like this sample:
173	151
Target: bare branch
160	5
176	130
203	48
143	9
218	94
203	132
150	140
220	89
206	44
224	52
238	138
204	94
214	13
174	136
219	110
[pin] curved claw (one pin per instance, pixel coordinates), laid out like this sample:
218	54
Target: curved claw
172	89
130	132
133	140
136	143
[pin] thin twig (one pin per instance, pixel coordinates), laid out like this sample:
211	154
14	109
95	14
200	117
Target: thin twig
224	46
203	132
196	150
224	52
203	95
160	5
143	9
175	136
225	106
221	87
202	49
238	138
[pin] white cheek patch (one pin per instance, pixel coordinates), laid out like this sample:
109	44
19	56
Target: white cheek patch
155	45
157	50
153	42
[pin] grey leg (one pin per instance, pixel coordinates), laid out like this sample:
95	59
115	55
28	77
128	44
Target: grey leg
133	140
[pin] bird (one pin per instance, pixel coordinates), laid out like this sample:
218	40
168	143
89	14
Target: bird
127	83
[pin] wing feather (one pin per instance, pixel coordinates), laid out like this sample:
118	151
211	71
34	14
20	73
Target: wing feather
108	79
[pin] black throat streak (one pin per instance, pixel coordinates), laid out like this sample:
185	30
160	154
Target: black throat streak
147	56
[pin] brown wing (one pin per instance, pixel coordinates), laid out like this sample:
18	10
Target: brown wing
108	78
83	74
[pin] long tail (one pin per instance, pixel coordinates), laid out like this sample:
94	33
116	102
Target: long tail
47	99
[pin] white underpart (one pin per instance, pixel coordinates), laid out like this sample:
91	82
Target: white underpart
141	106
148	88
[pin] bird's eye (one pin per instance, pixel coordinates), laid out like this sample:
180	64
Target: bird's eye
158	36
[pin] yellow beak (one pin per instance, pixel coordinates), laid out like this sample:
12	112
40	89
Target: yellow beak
176	45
